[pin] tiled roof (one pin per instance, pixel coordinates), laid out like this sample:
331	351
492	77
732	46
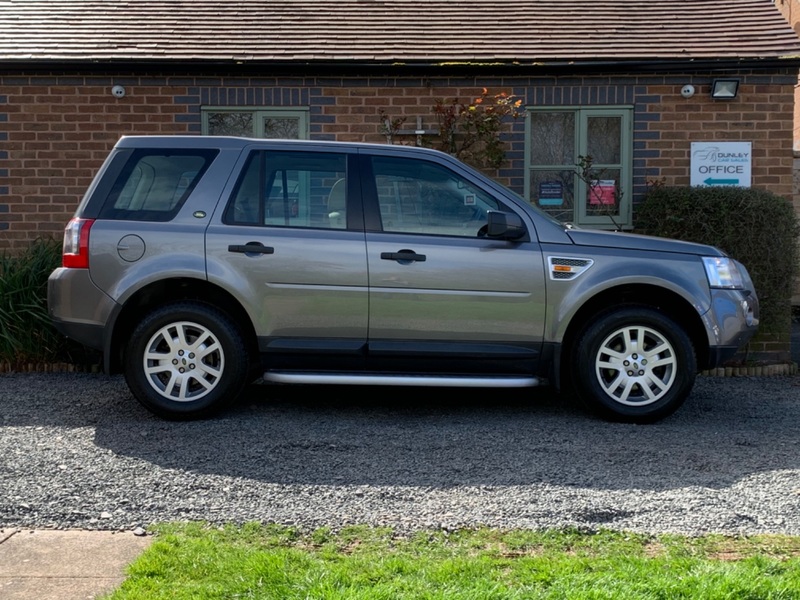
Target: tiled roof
393	31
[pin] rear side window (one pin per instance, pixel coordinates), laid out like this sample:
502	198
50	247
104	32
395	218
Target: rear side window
291	189
154	184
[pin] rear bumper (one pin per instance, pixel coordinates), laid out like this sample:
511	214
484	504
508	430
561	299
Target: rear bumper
77	307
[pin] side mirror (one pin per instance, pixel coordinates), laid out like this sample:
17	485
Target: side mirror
503	225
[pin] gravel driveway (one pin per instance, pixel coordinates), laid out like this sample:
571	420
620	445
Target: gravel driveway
76	451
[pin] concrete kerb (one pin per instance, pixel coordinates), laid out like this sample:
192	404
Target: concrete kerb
65	565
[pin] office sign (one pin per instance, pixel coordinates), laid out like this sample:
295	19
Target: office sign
721	163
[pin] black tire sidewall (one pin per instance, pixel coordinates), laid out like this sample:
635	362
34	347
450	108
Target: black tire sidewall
232	380
590	391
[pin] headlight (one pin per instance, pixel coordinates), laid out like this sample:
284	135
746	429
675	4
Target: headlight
722	272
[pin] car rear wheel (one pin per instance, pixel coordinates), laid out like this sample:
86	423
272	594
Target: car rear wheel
634	364
186	360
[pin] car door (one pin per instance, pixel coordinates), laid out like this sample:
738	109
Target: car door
290	242
443	296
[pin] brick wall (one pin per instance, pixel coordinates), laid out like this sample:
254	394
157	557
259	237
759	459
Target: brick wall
56	129
790	9
56	132
762	113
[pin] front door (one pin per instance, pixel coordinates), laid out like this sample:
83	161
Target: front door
441	291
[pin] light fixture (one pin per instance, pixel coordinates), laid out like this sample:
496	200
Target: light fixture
724	89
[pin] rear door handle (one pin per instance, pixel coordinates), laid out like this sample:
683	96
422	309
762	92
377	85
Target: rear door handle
403	256
251	248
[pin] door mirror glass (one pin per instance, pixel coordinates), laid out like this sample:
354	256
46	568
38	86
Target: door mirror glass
507	226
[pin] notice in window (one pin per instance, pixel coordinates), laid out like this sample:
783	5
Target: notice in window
603	192
551	193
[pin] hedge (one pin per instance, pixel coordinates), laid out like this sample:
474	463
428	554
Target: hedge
754	226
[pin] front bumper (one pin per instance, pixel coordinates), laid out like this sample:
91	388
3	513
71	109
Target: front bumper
731	322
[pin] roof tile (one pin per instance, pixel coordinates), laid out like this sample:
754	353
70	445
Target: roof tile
393	31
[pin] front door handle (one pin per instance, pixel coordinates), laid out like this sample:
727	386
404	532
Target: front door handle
251	248
403	256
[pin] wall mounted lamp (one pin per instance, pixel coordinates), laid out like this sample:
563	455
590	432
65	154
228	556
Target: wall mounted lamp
724	89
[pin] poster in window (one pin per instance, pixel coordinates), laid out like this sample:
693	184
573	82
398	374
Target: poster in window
551	193
602	192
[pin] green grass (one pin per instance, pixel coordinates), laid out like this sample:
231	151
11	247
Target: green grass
253	561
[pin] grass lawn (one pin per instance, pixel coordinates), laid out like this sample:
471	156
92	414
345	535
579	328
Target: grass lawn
196	561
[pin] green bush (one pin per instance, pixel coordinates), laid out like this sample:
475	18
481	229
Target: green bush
26	333
756	227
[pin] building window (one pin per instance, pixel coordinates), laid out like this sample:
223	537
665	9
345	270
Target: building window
579	164
276	123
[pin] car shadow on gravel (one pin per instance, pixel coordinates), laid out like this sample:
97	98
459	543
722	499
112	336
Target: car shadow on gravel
728	430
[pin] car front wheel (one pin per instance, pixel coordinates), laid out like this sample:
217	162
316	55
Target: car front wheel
634	364
186	360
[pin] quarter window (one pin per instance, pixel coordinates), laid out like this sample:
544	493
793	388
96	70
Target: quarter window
154	184
578	164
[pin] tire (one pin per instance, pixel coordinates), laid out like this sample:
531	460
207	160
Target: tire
633	364
186	360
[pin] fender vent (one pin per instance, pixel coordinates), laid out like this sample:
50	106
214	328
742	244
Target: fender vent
566	269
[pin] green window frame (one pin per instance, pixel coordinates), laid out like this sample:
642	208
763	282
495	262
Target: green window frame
579	164
279	123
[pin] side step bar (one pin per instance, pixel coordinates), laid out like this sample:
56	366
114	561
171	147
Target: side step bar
401	380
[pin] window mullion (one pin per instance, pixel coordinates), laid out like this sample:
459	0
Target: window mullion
581	149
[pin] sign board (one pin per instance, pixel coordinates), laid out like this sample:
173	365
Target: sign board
551	193
722	163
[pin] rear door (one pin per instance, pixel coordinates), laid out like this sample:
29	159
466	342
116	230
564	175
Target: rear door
290	244
443	297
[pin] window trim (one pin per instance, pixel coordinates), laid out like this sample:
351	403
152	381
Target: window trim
582	115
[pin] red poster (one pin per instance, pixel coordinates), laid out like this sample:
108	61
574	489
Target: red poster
602	191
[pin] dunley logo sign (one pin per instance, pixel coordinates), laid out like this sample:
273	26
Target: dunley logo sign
721	163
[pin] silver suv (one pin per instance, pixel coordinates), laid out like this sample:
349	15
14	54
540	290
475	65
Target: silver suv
200	264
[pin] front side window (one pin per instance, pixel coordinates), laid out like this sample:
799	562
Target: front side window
427	198
290	189
273	123
579	164
154	184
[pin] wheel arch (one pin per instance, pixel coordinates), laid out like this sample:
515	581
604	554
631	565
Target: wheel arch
172	290
661	299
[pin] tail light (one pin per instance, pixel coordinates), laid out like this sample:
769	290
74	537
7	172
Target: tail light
76	244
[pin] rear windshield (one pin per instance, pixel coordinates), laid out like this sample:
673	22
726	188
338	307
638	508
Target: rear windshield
154	184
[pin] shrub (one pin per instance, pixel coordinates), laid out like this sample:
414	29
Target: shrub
754	226
470	132
27	335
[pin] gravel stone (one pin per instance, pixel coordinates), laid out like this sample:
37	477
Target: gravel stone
77	451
